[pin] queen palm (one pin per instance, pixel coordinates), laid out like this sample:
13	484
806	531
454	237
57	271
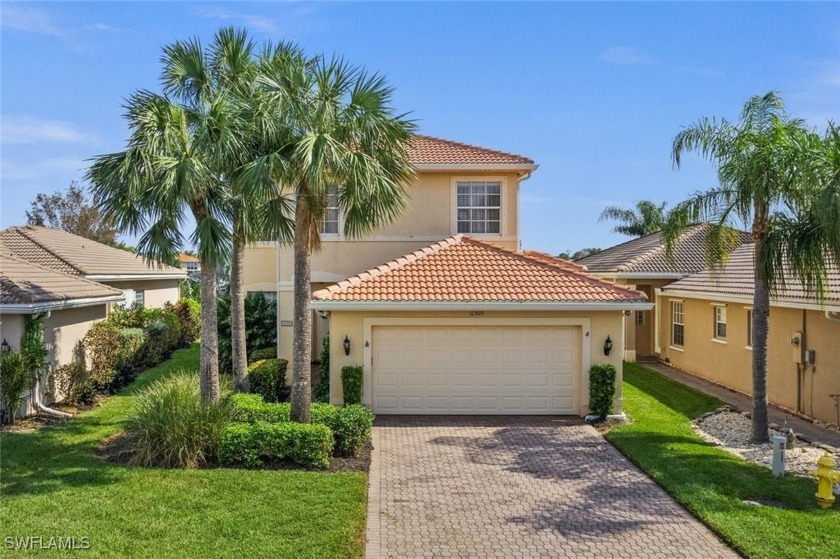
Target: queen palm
781	181
227	70
339	136
646	218
170	168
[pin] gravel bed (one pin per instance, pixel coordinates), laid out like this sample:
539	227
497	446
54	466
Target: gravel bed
732	431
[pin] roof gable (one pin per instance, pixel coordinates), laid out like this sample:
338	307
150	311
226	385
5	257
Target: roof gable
646	255
463	269
77	255
426	150
24	283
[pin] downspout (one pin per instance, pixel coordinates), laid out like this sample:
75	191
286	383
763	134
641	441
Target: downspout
36	398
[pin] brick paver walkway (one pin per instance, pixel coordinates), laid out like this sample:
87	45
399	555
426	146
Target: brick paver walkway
518	487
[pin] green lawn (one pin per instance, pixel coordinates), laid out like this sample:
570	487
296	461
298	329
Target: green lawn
712	483
52	484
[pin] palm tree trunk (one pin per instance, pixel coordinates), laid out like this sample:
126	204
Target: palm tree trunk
209	362
760	316
302	337
237	314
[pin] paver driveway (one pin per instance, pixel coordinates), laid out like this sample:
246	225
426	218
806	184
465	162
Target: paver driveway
518	487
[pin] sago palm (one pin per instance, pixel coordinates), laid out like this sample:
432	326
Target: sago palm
781	181
338	134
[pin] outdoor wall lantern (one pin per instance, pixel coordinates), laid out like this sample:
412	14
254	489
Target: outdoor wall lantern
5	347
346	345
607	346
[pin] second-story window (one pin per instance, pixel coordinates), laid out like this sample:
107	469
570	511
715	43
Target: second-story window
479	207
720	323
329	225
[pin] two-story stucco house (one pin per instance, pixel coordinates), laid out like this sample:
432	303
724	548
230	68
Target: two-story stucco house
442	309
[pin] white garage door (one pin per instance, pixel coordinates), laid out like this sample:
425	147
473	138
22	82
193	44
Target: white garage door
475	370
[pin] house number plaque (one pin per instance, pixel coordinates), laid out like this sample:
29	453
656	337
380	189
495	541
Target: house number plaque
476	313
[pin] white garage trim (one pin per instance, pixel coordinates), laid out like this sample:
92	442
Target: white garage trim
584	324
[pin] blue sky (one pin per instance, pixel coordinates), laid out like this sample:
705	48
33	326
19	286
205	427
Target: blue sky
594	92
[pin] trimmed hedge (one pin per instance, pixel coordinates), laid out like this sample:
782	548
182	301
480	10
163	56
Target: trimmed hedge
72	382
264	353
188	312
351	384
251	444
351	425
601	389
268	379
321	391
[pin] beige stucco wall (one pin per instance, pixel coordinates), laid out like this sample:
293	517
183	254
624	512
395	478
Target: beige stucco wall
602	324
640	338
156	292
11	329
260	267
730	363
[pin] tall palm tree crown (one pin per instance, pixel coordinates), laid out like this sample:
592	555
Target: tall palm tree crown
780	180
339	138
647	218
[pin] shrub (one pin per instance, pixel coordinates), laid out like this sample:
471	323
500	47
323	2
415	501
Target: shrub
351	384
72	382
260	327
251	408
132	358
171	427
601	389
105	353
321	392
264	353
188	312
250	444
268	379
15	378
140	317
351	425
157	344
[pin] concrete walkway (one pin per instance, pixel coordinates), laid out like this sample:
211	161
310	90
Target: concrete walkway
511	487
803	428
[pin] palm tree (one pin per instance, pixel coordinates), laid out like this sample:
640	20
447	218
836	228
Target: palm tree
227	70
339	136
168	169
782	181
645	219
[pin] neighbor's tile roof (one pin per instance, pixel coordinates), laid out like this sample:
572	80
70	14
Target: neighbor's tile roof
22	282
426	150
735	279
462	269
76	255
647	254
184	258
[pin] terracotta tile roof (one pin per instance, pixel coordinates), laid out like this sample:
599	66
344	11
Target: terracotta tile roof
426	150
647	255
735	279
184	258
76	255
22	282
463	269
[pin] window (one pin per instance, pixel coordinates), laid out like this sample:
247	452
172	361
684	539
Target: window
749	328
720	323
677	323
640	318
479	207
139	298
329	225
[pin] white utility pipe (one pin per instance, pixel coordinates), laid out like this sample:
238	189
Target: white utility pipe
44	409
831	315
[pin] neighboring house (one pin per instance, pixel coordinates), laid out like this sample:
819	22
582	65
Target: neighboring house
642	263
462	325
190	263
705	329
141	282
70	303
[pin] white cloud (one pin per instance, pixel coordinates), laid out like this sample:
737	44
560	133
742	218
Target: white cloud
28	130
30	20
98	26
252	21
626	56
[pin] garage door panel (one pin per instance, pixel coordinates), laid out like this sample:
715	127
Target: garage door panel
469	370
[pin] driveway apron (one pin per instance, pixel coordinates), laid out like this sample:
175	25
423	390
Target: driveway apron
518	487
